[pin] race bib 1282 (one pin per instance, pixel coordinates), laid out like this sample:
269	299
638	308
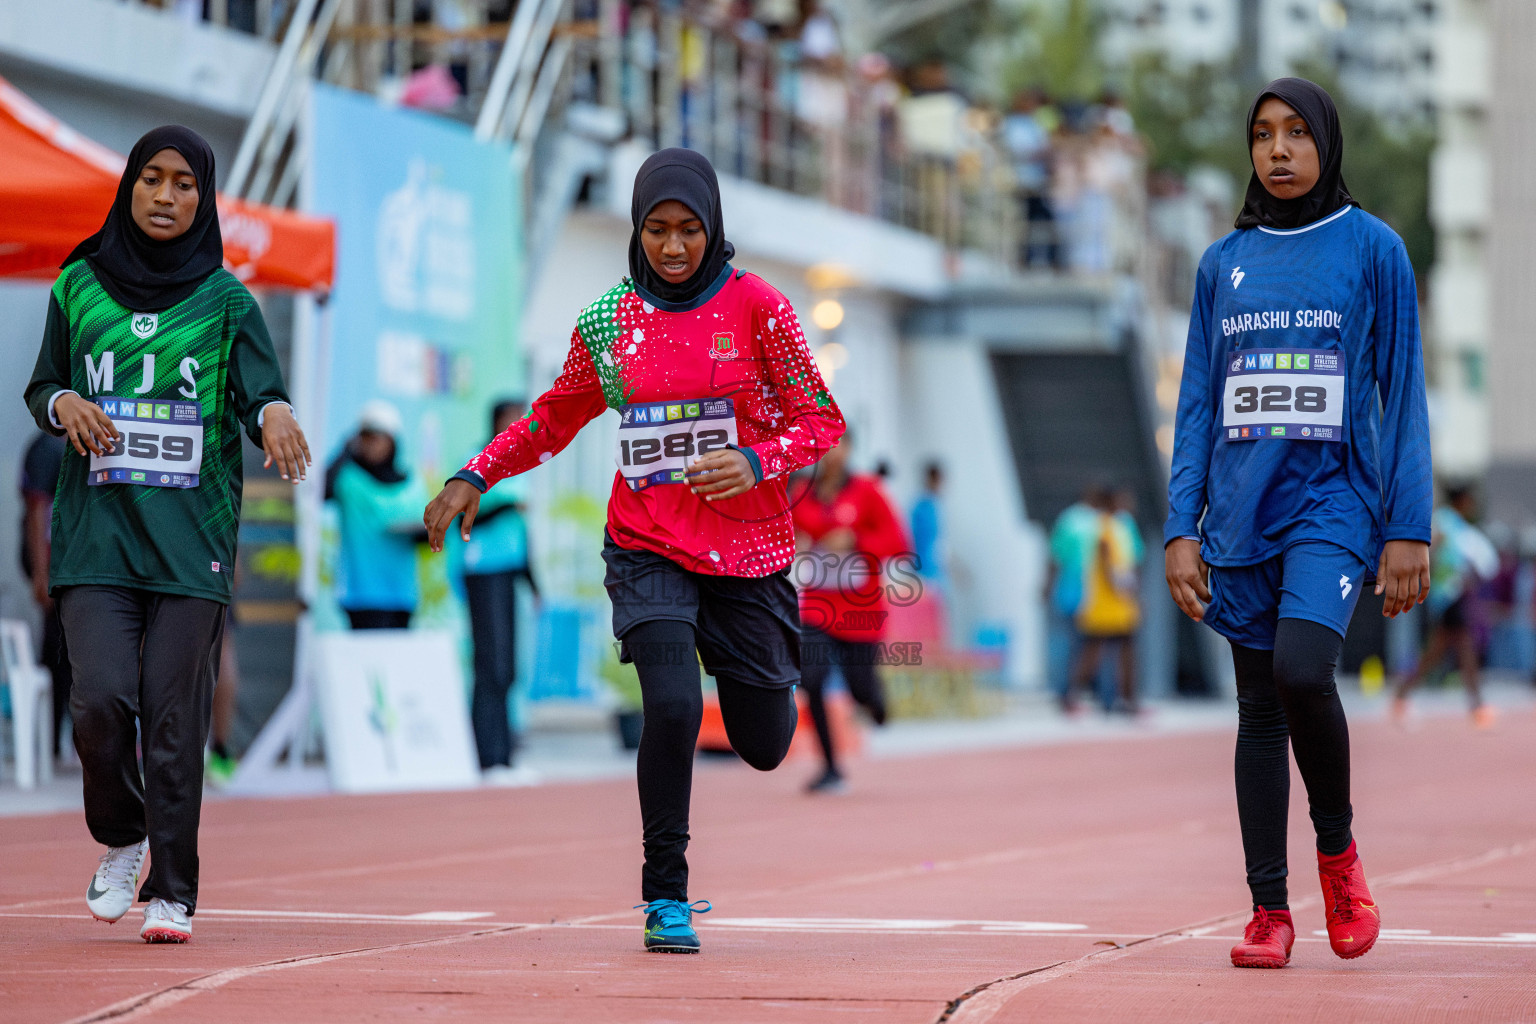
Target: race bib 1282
659	440
160	444
1285	394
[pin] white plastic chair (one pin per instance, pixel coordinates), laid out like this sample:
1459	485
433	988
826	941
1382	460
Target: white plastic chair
31	704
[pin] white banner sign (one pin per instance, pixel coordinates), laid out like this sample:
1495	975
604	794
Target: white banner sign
393	705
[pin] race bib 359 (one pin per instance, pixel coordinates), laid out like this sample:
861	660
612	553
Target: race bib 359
659	440
160	444
1284	394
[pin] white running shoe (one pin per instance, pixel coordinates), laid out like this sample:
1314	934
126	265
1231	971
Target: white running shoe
115	884
165	921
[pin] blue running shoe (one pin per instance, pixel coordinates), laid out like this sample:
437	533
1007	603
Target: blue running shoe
669	925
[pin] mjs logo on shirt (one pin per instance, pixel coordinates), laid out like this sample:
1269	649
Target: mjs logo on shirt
145	324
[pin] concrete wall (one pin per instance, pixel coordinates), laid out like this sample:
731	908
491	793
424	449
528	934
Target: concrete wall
131	48
1511	262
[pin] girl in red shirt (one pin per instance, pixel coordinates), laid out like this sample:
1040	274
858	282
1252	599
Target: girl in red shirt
847	530
719	401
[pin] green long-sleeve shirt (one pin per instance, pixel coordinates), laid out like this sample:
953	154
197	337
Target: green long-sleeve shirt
209	354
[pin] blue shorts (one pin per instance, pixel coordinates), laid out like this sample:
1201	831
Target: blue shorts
1312	580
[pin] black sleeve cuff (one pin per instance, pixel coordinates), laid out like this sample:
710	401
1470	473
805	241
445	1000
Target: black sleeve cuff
752	457
472	478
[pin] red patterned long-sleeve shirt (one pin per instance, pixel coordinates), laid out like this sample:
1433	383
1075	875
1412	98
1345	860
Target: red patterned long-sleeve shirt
743	343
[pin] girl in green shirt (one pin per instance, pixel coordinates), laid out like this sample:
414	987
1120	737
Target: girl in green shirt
153	359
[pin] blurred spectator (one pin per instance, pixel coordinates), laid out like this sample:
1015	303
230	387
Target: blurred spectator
845	528
1027	136
881	98
379	507
39	480
1461	556
1074	537
820	41
495	558
1110	611
821	99
777	16
932	117
928	524
433	87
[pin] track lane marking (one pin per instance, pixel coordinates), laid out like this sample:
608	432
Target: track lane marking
980	1004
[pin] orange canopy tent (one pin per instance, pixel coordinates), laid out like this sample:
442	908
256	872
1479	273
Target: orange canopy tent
56	186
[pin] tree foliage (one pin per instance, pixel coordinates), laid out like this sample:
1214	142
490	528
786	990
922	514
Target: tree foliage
1195	116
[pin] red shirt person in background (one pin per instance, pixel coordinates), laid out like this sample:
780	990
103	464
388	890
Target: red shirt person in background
845	530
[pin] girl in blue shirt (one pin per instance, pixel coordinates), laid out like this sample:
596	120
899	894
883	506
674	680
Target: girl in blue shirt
1301	467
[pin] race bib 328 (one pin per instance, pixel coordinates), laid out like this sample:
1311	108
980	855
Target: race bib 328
1284	394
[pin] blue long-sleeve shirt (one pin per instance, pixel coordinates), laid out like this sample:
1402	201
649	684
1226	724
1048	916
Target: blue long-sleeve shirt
1271	446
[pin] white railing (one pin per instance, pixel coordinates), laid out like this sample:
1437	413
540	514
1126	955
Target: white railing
759	112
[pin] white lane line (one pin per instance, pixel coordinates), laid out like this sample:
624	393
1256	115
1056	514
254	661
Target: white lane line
838	926
981	1004
876	924
1414	935
430	916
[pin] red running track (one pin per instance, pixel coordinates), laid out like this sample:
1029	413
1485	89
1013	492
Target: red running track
1092	882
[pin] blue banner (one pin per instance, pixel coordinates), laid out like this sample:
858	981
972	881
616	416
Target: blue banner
424	313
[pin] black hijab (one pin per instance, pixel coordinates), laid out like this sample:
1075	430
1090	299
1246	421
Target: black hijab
1316	107
143	274
686	176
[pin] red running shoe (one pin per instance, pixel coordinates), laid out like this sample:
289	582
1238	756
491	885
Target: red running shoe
1353	920
1266	941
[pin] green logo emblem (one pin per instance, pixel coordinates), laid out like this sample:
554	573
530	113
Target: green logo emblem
1276	431
1302	362
1283	361
691	410
137	478
724	343
162	412
674	412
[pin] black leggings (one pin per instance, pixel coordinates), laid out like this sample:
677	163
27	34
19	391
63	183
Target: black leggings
818	653
760	723
1288	694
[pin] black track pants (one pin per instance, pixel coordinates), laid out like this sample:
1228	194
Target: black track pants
146	656
493	625
818	653
1288	696
759	721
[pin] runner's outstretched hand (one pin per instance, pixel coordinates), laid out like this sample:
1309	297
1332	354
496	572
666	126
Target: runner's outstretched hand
722	474
284	443
1403	575
88	428
1188	577
456	498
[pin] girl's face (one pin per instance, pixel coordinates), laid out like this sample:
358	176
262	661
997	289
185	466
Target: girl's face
165	196
674	241
1284	152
